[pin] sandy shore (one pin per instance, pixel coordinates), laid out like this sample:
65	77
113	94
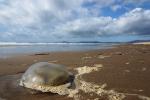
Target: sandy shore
125	71
145	43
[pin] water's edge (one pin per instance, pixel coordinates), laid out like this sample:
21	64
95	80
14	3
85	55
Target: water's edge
11	50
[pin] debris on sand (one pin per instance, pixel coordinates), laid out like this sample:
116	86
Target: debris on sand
52	61
41	54
143	97
118	53
143	69
86	57
102	56
127	70
127	63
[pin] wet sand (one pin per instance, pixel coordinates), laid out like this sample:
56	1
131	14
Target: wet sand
126	70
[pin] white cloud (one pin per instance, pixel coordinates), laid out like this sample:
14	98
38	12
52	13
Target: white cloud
28	18
27	11
135	1
136	21
92	26
101	3
116	7
48	20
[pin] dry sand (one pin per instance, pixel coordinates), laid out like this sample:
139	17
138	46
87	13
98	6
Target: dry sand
121	73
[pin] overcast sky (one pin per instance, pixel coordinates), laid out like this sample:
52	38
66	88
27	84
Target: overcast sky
74	20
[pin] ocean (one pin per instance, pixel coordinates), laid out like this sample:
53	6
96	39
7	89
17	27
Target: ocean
12	49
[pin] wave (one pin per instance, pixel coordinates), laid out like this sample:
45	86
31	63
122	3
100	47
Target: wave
30	44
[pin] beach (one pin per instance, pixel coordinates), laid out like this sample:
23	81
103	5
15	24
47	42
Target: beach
123	73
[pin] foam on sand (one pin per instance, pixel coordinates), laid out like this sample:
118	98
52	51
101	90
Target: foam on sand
87	69
88	88
61	89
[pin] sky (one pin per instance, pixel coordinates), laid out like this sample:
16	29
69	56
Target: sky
74	20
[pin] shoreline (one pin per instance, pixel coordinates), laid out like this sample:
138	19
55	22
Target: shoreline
145	43
125	70
13	55
47	52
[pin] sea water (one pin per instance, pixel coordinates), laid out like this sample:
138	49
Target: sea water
11	49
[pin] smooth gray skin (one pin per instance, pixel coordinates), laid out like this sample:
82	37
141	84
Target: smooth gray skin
44	73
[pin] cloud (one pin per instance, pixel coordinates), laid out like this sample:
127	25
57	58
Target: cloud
58	20
93	26
136	21
135	1
28	18
100	3
27	11
115	7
